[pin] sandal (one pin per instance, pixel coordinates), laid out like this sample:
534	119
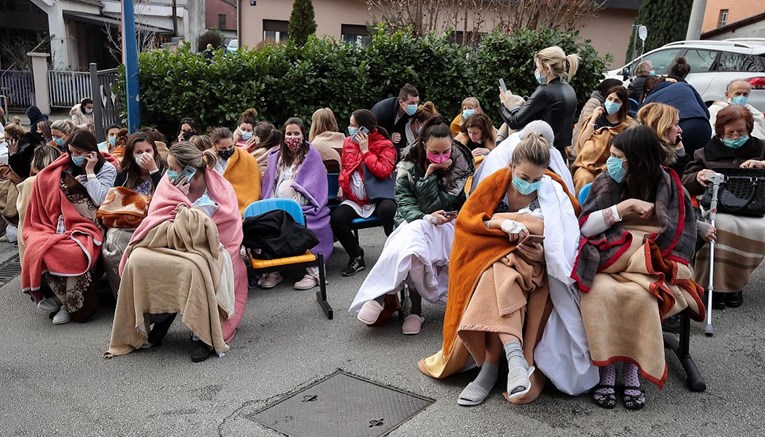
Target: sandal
604	400
633	402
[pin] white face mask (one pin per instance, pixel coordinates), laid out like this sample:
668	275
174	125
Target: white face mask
88	111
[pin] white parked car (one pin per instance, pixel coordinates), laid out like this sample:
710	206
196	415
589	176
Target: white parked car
232	46
713	64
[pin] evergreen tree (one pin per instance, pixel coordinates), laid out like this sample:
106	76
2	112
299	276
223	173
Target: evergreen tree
666	20
302	22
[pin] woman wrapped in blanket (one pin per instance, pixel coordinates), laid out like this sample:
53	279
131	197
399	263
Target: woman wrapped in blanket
639	235
508	293
184	257
61	233
141	171
430	189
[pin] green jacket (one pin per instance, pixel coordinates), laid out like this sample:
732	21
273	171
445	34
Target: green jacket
417	195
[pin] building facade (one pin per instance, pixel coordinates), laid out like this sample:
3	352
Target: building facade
720	13
262	21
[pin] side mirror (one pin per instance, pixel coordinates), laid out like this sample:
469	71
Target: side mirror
625	73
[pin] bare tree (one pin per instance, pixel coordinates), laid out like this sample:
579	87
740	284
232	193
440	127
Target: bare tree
145	38
471	18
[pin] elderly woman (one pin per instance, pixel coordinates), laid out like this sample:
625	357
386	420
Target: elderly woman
592	146
295	171
633	264
430	189
510	295
61	233
741	240
184	257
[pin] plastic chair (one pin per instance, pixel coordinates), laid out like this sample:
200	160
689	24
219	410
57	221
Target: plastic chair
680	345
583	193
333	186
306	260
372	221
634	105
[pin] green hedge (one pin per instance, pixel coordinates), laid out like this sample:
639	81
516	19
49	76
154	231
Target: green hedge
287	80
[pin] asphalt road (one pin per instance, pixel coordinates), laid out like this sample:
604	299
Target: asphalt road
55	383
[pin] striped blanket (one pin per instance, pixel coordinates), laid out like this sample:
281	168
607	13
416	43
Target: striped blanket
740	248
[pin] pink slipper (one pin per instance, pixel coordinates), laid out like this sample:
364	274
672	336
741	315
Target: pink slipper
370	312
412	324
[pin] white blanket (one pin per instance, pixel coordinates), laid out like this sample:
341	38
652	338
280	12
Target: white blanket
419	250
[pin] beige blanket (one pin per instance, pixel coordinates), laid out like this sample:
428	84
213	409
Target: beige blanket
177	267
621	312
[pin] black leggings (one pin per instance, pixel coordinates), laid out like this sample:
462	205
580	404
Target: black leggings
344	214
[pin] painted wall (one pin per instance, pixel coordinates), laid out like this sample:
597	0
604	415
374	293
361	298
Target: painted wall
213	8
737	10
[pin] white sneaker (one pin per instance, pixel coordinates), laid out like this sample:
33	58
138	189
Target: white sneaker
62	316
49	305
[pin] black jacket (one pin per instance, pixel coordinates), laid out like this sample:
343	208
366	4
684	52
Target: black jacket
121	178
554	103
275	234
386	111
635	88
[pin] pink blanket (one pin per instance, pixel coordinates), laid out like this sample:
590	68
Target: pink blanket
71	253
228	220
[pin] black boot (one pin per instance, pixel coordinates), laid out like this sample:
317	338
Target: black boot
734	299
159	331
199	351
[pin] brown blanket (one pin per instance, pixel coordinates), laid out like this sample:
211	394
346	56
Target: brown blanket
176	267
620	312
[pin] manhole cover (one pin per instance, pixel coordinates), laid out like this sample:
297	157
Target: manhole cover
9	269
341	405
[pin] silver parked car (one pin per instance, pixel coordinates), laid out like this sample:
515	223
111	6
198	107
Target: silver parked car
713	64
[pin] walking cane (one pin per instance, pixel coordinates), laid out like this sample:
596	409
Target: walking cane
715	179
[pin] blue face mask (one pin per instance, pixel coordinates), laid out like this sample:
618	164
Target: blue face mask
112	140
246	135
540	79
467	113
735	144
59	141
352	130
616	169
525	187
739	100
612	107
172	175
652	73
411	109
78	160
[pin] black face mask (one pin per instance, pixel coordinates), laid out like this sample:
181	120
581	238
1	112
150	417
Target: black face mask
225	154
188	134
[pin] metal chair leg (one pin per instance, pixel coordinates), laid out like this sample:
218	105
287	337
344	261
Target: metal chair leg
681	347
321	294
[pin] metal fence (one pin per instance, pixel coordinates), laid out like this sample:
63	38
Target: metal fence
18	87
67	88
106	104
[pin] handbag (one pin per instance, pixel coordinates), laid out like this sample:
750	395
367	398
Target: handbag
742	192
275	234
123	208
379	189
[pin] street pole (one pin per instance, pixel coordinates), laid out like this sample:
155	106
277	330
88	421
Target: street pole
696	20
130	59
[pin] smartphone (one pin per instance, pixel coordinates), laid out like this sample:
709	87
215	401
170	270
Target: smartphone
187	173
533	239
502	85
450	214
362	130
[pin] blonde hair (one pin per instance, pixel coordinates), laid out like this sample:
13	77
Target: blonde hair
472	101
660	117
322	120
534	149
64	126
14	131
201	142
186	153
555	58
43	156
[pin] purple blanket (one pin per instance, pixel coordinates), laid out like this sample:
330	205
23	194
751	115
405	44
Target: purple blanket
311	182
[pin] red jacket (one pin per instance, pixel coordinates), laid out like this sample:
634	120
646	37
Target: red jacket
380	159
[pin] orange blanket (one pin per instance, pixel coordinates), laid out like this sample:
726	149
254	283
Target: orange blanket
243	173
486	246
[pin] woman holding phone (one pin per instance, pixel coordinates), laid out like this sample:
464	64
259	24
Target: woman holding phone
61	233
368	157
510	294
430	188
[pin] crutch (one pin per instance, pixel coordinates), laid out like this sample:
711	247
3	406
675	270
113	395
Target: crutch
715	179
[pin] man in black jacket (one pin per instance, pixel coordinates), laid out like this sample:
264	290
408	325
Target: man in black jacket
393	113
